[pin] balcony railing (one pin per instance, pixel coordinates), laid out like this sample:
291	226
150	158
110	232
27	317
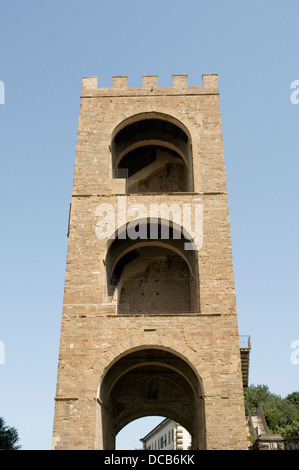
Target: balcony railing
245	342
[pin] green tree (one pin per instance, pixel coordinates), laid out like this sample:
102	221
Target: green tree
8	437
272	419
281	414
294	399
260	395
290	430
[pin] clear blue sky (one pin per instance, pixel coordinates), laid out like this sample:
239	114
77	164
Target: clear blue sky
45	49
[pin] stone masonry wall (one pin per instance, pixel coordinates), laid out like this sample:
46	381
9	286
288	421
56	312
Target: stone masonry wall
93	336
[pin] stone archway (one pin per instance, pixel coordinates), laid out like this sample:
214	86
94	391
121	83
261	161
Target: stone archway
152	275
145	382
153	152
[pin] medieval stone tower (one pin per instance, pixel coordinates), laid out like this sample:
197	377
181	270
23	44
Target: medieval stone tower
149	324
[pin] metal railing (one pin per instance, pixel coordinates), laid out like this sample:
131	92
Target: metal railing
245	342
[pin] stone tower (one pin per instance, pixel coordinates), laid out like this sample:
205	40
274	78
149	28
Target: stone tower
149	323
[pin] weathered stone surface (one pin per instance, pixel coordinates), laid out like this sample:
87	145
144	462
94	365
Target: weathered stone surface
198	346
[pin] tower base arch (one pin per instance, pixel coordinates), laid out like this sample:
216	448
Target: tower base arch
146	382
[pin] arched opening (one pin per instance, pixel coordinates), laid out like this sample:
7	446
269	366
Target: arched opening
152	275
153	153
148	382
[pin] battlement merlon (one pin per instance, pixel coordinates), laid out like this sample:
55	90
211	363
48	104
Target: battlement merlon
150	86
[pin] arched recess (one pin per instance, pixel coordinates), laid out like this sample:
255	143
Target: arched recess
152	274
145	382
153	152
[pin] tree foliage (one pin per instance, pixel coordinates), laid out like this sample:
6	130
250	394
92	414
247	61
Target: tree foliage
281	414
293	398
8	437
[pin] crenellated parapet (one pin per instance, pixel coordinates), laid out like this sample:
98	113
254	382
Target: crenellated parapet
150	86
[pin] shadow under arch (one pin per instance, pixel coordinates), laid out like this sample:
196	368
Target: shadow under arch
128	258
150	115
146	381
147	144
177	237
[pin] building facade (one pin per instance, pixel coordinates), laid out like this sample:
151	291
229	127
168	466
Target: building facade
149	321
168	435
